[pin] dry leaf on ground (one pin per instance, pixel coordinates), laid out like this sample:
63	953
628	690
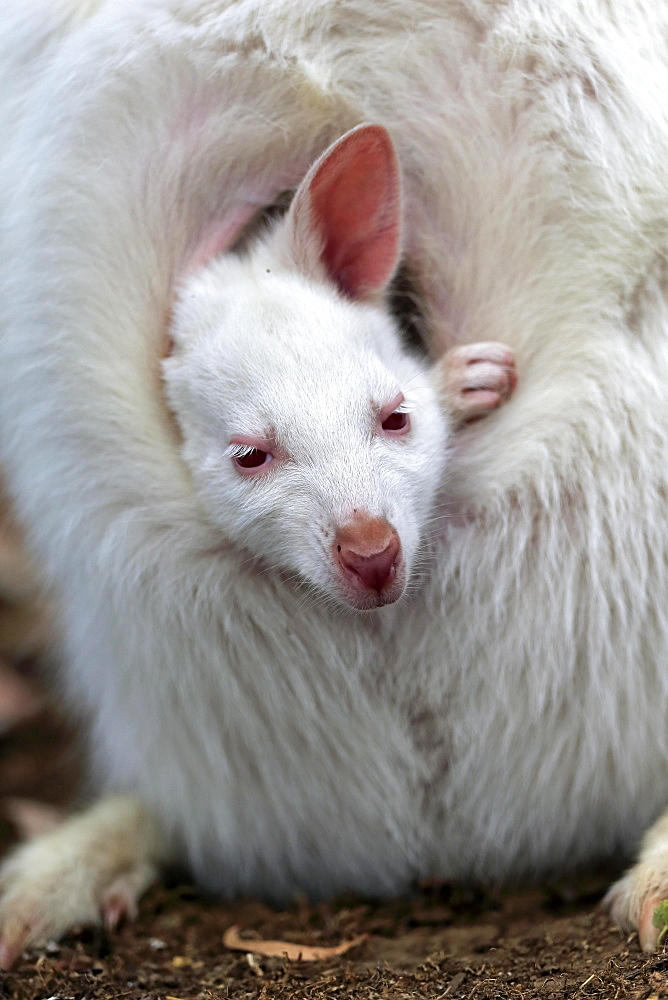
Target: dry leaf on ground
288	949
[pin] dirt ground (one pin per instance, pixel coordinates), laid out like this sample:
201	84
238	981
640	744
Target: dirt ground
523	946
545	942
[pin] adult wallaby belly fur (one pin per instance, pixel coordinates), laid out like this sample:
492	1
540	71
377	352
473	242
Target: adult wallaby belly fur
506	717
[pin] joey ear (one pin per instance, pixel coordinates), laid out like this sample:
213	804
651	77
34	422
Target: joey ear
345	218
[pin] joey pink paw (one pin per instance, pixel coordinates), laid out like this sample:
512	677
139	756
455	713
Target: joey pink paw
477	378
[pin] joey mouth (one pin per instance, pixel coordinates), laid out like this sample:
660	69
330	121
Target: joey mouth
369	600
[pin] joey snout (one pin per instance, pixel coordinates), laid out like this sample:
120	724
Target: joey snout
368	557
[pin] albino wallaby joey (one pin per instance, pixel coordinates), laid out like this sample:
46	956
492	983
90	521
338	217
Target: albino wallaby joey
322	640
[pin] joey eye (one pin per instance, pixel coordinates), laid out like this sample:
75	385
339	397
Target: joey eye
249	460
394	418
253	459
396	423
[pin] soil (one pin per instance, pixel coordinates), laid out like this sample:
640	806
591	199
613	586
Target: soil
546	942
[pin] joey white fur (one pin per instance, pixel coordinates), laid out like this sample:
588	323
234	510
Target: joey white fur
503	715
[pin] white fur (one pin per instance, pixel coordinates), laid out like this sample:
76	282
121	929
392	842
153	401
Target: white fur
506	718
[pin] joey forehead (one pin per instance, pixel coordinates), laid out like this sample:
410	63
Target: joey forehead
301	398
288	311
289	375
278	356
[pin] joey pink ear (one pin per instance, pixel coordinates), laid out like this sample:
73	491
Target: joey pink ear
345	218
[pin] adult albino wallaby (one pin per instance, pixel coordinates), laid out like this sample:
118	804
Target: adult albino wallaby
321	642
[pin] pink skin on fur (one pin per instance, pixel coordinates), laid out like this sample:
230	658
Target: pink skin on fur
219	235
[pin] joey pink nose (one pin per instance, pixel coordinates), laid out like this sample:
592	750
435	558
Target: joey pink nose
368	551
